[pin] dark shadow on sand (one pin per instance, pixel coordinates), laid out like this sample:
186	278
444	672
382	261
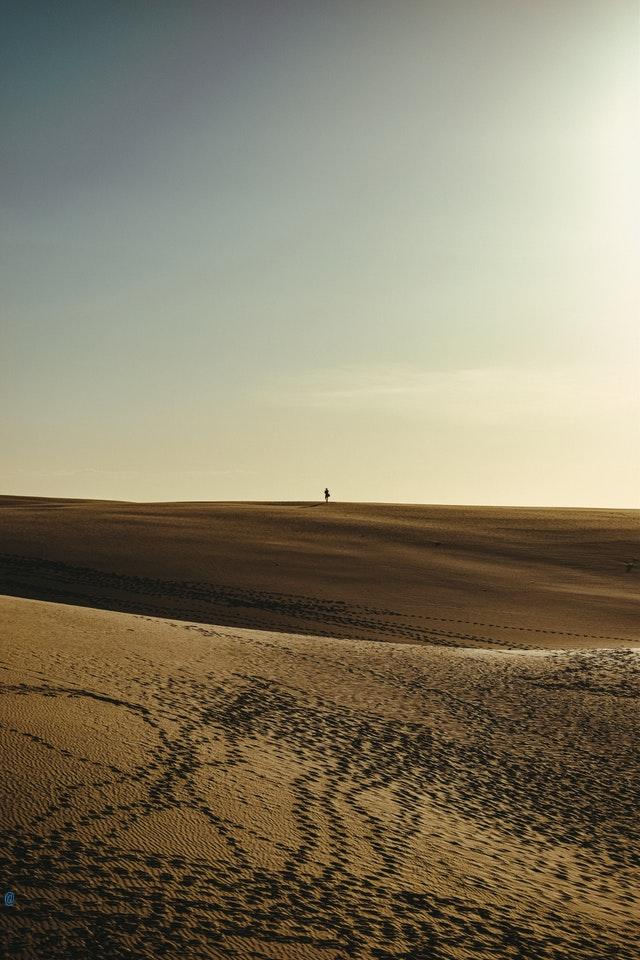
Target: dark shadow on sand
36	578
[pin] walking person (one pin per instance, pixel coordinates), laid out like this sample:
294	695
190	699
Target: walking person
326	494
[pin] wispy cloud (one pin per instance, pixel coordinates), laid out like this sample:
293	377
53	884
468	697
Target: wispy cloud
483	393
95	472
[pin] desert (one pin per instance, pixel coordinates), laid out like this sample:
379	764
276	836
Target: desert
319	473
318	730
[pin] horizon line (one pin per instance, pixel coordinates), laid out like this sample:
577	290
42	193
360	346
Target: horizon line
382	503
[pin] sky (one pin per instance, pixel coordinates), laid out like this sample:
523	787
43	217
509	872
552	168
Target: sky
251	249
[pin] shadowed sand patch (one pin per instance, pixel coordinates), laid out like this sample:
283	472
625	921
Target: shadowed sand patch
175	789
451	576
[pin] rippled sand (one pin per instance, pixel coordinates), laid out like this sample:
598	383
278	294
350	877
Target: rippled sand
174	789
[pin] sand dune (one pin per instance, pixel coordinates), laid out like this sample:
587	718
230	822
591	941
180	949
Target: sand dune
447	575
173	789
239	767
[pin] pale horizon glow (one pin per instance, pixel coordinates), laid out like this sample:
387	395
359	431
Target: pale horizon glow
252	250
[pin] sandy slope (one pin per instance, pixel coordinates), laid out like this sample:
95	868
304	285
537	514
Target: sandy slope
178	790
288	786
448	575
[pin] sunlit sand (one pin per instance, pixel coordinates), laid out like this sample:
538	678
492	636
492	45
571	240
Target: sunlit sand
300	731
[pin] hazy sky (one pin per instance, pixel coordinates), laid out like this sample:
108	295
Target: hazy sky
252	248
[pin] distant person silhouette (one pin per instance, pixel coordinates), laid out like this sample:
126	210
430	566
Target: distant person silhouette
326	494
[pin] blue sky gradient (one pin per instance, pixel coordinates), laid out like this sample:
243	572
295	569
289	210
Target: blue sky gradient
249	249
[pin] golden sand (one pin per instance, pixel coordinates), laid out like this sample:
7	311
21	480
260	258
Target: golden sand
464	788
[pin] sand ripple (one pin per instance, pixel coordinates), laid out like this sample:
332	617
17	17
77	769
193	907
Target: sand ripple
177	790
